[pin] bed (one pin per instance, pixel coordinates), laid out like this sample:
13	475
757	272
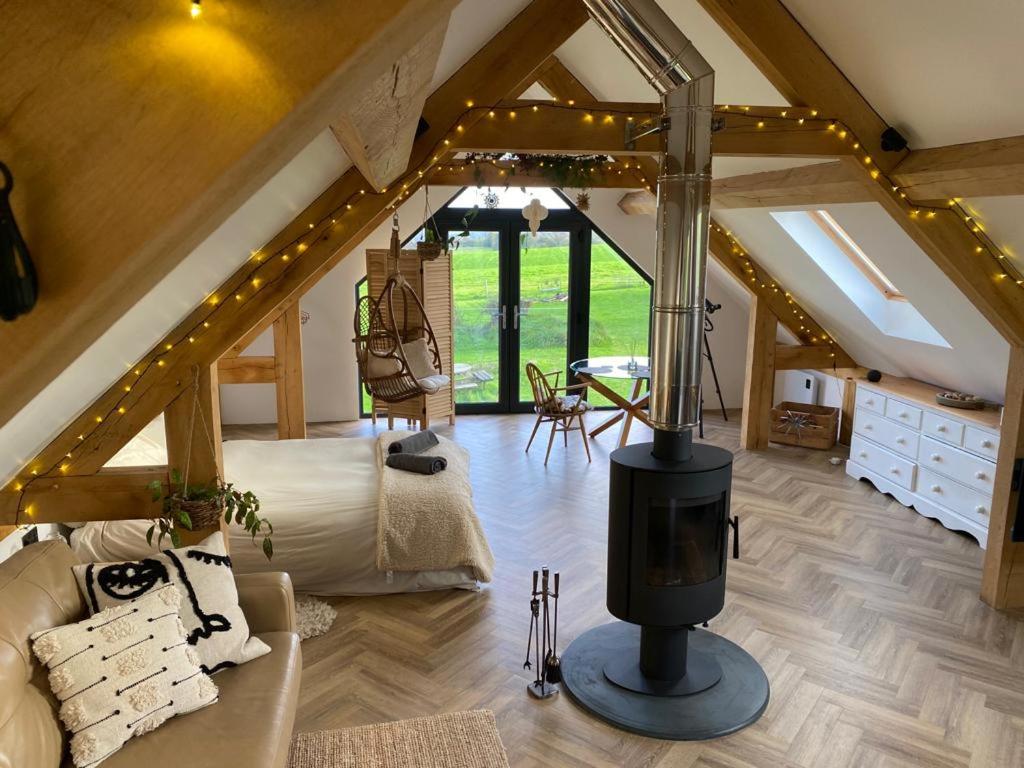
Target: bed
322	498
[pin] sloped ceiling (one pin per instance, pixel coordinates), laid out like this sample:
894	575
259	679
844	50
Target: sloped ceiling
978	358
942	71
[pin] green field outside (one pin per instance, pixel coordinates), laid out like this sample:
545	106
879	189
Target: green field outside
619	312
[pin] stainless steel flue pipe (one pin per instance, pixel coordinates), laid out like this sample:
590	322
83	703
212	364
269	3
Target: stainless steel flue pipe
686	84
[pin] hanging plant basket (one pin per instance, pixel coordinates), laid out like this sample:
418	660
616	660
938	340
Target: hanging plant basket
204	513
429	251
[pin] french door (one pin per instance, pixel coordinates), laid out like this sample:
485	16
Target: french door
518	298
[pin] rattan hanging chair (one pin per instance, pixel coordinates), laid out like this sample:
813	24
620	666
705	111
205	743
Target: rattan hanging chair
395	345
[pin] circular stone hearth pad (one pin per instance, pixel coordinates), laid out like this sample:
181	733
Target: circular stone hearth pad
734	702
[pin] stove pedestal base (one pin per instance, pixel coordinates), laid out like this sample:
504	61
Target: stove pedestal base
733	702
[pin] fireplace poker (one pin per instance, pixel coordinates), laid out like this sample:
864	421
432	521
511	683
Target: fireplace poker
534	610
553	666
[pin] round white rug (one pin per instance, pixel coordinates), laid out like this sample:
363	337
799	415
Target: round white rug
313	616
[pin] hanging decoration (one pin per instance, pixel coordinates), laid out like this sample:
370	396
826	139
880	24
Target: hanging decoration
535	213
18	286
583	201
491	199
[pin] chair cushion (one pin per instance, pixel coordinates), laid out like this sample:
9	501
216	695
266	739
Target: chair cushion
432	384
202	574
250	726
420	358
381	367
564	405
122	673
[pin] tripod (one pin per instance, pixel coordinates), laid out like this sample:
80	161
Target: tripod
710	308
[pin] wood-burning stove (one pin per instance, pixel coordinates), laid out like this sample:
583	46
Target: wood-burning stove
668	548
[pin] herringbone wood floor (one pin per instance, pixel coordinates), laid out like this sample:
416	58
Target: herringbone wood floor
865	616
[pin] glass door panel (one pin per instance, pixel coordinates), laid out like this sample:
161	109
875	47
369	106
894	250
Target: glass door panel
476	282
619	314
541	317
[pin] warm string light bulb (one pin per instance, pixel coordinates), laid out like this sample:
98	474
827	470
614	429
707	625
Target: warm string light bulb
197	9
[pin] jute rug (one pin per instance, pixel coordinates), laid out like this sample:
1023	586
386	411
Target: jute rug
455	740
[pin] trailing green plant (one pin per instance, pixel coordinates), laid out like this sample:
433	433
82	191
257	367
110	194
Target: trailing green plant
181	502
431	234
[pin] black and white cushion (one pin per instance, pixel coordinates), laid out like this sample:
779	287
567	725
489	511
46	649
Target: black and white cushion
209	608
122	673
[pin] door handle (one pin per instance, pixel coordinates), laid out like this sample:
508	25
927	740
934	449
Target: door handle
502	314
516	314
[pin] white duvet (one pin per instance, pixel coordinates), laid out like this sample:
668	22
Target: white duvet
321	496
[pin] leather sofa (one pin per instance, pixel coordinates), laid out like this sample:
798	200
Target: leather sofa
250	726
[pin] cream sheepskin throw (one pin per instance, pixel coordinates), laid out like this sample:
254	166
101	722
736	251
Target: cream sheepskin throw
427	522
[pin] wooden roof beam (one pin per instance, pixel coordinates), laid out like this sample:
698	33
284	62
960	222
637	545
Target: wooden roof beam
128	155
978	169
596	127
377	130
507	64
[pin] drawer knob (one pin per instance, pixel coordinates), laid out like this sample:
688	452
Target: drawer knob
936	457
936	489
986	443
904	415
941	428
980	510
894	470
900	440
863	454
980	475
868	426
870	401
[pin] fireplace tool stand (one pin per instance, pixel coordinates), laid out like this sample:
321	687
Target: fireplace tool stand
656	672
543	636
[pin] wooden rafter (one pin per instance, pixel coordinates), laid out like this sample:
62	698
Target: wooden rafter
377	130
597	127
251	369
798	68
507	64
818	184
978	169
134	154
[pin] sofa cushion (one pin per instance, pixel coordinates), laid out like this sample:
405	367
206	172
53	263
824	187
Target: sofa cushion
37	592
122	673
216	625
250	726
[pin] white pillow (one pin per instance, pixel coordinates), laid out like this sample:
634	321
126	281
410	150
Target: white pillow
216	625
379	367
420	359
122	673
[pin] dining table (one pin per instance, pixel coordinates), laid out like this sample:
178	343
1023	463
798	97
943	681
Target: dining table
596	371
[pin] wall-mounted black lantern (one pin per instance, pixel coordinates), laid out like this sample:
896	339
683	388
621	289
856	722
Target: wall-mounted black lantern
18	286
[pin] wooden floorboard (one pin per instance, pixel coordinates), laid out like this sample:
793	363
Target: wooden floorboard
864	614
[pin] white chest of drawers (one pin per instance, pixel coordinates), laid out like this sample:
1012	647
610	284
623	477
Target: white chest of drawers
933	459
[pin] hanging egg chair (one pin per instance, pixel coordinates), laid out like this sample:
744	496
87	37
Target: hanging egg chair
395	345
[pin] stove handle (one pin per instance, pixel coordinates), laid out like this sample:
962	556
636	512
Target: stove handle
734	523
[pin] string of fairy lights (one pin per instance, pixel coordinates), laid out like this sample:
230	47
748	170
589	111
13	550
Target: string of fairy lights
266	269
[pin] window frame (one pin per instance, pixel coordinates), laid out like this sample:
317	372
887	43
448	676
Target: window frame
849	248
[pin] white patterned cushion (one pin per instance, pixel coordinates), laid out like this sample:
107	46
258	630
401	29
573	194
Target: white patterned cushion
215	623
420	358
122	673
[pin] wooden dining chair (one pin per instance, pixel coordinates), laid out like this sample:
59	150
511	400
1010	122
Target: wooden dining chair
564	411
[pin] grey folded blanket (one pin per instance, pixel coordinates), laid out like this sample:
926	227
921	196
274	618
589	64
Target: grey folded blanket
423	465
416	443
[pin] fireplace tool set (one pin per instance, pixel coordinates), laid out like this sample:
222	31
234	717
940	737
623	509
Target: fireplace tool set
543	636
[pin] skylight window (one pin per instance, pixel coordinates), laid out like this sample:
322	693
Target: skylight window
847	245
835	251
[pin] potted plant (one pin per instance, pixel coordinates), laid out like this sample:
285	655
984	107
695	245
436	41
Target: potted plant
433	245
200	506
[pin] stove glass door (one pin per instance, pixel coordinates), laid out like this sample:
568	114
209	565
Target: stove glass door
684	541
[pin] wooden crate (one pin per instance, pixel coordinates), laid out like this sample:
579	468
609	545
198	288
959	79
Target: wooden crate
818	429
